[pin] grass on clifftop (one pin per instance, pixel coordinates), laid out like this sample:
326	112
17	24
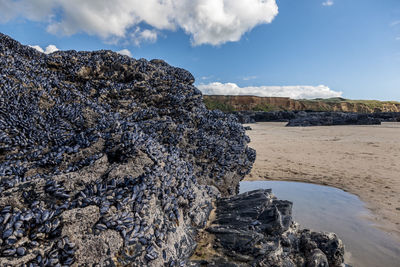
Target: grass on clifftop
211	105
373	103
340	99
327	100
264	107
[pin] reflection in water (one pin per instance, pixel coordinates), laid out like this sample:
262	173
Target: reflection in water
329	209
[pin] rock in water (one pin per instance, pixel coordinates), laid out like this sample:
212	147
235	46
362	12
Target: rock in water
256	229
108	160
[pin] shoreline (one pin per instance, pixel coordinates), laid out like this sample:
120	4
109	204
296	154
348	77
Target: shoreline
374	218
360	160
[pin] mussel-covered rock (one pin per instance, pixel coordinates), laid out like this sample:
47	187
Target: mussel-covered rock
107	160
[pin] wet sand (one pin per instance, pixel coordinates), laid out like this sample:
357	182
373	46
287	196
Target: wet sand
363	160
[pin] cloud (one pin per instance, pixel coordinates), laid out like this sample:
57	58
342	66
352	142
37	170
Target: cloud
248	78
49	49
206	77
294	92
125	52
207	21
31	9
328	3
394	23
148	35
38	48
139	36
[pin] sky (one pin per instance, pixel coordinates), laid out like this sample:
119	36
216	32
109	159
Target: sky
293	48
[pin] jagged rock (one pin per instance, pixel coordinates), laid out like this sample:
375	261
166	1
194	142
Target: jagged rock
309	118
256	229
261	116
105	159
332	118
110	161
78	224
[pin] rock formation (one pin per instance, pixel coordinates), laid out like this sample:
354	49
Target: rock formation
332	118
256	229
262	116
308	118
110	161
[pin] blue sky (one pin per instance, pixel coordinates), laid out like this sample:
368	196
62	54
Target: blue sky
309	48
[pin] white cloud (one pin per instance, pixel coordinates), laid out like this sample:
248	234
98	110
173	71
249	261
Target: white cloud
125	52
138	36
398	38
206	21
294	92
38	48
248	78
206	77
49	49
148	35
328	3
31	9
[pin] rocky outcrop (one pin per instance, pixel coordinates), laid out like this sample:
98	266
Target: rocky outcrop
256	229
303	118
332	118
261	116
231	103
106	160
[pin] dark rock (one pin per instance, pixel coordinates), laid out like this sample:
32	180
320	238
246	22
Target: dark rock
256	229
107	158
110	161
261	116
310	118
386	116
332	118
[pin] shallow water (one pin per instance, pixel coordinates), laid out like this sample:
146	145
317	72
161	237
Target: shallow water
324	208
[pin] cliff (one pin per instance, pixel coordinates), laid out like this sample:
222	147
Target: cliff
110	161
254	103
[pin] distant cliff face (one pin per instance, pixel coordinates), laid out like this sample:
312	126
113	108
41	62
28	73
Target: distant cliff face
255	103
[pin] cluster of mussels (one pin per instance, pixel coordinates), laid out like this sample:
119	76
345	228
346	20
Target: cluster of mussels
107	160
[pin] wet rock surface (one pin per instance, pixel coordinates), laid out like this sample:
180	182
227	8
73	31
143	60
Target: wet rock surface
309	118
261	116
110	161
107	160
256	229
333	118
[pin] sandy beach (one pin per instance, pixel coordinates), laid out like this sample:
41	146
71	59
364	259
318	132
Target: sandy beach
363	160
